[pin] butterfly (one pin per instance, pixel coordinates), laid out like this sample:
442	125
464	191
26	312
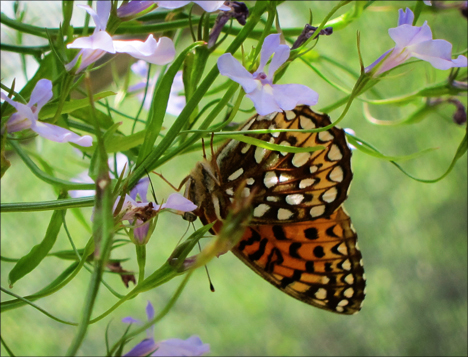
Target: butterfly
300	238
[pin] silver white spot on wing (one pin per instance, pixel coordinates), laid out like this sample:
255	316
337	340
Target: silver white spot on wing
273	198
260	210
306	183
245	192
349	292
245	148
330	195
300	159
250	181
284	214
270	179
346	265
236	174
336	175
317	211
294	199
349	279
289	114
230	191
285	143
321	294
306	123
325	136
313	169
334	154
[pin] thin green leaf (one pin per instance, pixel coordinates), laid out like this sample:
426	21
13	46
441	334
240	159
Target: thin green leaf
63	184
68	107
273	147
47	205
461	150
10	352
31	260
370	150
48	314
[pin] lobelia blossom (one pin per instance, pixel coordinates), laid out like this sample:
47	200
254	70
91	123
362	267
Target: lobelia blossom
192	346
266	96
95	46
176	102
26	117
413	41
139	213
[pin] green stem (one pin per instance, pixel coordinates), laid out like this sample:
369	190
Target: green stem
141	258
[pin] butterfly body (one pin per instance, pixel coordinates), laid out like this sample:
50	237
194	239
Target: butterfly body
300	238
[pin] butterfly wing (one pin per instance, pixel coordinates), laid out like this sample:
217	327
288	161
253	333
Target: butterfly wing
290	187
317	262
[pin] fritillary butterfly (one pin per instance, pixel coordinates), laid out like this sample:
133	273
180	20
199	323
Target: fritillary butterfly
300	238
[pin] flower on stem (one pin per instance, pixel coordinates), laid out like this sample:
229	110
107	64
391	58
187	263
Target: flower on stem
413	41
266	96
95	46
139	212
192	346
176	101
26	117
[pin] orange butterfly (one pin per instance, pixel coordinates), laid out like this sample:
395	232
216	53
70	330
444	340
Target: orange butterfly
300	238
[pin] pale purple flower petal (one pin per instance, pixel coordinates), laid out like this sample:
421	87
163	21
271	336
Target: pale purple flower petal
144	348
208	6
130	320
141	188
192	346
103	9
270	45
413	41
266	96
98	41
156	52
281	55
172	4
180	203
263	100
232	68
41	94
405	17
60	135
428	2
438	53
20	120
288	96
133	8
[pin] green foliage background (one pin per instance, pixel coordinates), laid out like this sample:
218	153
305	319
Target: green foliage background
413	236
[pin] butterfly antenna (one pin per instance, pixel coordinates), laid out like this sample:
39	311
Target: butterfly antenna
207	273
203	147
152	188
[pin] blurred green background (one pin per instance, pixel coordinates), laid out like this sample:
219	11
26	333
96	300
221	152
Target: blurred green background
413	236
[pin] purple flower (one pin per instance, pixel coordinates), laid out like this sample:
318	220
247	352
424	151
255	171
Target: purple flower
192	346
134	9
95	46
266	96
139	212
26	117
176	102
413	41
208	6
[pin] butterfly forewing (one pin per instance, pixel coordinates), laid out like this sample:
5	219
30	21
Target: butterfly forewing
300	239
291	187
